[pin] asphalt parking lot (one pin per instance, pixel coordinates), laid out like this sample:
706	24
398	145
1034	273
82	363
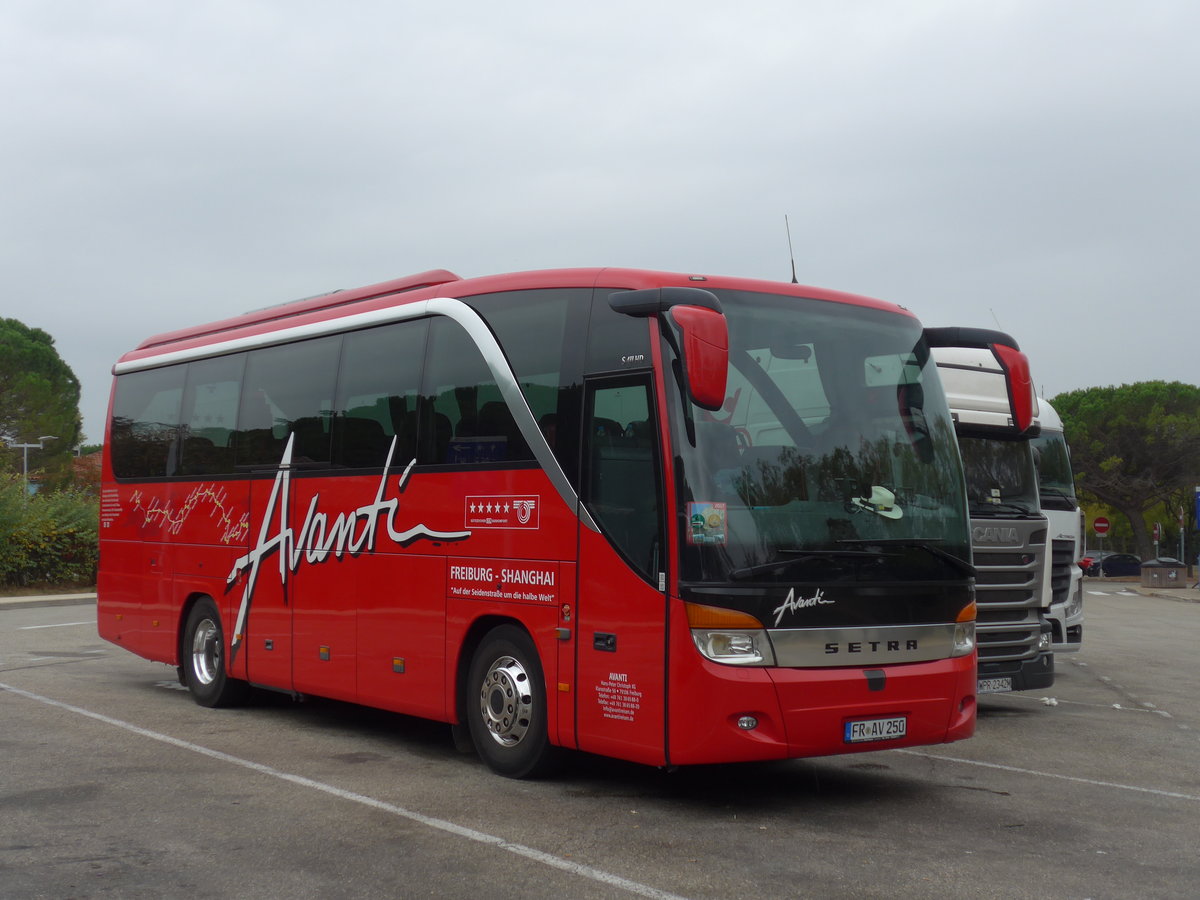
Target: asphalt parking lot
115	784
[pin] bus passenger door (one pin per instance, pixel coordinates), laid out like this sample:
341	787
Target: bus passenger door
622	611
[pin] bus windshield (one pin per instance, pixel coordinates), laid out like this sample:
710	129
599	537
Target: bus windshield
835	440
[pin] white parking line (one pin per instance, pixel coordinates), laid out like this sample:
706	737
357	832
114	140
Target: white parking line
598	875
1091	781
58	625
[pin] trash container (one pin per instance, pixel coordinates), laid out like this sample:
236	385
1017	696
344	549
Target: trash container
1164	573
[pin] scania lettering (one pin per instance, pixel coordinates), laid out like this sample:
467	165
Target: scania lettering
1062	590
982	535
674	519
991	397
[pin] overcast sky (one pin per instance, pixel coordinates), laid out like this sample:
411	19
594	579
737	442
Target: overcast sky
1027	164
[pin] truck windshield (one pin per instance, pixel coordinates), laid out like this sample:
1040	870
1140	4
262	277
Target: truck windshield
835	450
1001	478
1055	481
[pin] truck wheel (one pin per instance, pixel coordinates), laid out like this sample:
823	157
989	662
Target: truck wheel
204	659
506	705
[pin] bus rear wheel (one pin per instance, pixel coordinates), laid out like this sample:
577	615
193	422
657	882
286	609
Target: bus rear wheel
506	705
203	659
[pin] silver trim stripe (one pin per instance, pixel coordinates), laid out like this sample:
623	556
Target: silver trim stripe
451	308
883	645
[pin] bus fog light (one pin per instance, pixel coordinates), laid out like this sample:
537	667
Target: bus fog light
747	723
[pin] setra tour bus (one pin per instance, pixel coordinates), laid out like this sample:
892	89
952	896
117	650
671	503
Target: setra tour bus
674	519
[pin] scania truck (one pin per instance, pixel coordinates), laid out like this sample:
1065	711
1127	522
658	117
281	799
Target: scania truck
995	425
1062	586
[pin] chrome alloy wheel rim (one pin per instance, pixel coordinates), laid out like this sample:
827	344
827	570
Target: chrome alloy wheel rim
206	652
506	702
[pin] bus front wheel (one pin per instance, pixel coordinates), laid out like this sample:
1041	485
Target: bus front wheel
506	705
204	659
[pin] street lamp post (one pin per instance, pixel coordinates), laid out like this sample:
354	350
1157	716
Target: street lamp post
25	448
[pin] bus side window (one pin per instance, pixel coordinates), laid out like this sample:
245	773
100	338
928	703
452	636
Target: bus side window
542	331
145	423
210	412
377	395
287	392
621	469
464	400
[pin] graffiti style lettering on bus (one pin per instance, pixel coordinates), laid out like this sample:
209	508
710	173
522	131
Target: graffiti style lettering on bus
318	537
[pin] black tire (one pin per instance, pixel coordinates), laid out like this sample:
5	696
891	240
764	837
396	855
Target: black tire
505	705
202	658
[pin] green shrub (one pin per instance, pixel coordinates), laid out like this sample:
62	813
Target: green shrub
48	538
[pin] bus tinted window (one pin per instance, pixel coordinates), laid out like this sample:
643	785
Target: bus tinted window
622	477
532	328
287	390
541	333
377	395
145	422
210	409
465	402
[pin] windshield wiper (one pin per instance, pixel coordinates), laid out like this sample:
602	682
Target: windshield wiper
797	556
929	546
1055	492
989	510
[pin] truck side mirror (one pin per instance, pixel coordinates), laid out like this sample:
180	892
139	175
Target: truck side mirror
1003	358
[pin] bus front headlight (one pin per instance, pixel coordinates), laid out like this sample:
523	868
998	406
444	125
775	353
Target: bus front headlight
729	636
964	638
735	648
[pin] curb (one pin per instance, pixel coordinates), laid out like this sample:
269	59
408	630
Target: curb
1179	595
33	601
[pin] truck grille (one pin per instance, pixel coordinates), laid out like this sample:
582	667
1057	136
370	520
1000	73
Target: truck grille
1008	583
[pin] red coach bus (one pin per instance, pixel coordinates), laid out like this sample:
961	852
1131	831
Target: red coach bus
674	519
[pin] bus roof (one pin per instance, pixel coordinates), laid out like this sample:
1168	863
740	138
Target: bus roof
442	283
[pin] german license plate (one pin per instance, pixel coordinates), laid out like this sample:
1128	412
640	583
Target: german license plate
994	685
862	730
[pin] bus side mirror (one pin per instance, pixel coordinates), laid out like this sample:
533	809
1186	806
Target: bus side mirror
696	328
702	341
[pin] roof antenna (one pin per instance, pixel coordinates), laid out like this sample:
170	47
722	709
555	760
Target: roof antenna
791	253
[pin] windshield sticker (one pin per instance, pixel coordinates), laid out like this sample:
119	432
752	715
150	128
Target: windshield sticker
795	604
706	522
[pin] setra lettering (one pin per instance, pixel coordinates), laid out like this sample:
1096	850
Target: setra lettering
833	647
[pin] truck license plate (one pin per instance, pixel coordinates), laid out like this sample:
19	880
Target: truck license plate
862	730
994	685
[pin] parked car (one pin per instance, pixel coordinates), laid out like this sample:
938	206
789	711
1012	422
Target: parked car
1091	563
1114	565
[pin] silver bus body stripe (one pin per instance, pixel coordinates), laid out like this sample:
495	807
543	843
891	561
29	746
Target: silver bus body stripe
871	646
451	308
